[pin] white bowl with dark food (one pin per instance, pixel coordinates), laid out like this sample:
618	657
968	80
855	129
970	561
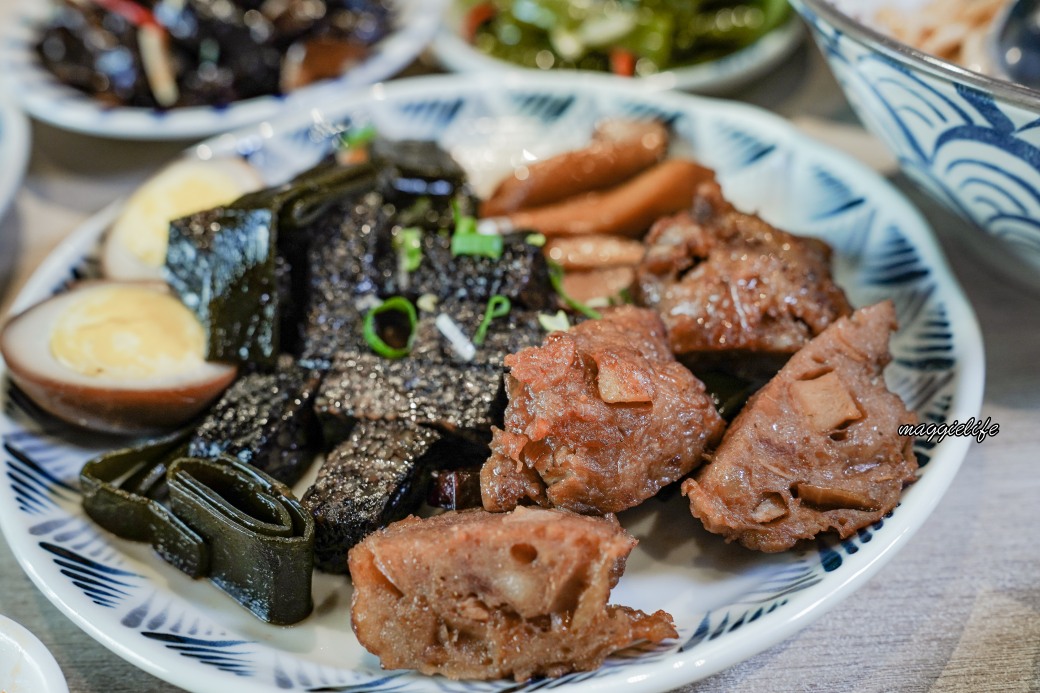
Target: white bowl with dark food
663	45
182	70
410	308
914	73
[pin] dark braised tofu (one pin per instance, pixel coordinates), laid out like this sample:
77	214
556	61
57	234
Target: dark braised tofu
480	595
266	420
454	489
339	265
724	281
520	274
600	418
505	335
376	476
222	264
817	449
464	400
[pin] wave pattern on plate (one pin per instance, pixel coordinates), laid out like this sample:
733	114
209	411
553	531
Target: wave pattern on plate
980	156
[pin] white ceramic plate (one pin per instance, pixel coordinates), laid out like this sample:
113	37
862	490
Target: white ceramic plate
15	140
456	54
728	603
47	99
26	665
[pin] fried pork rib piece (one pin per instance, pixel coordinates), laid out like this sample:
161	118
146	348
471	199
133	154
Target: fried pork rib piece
817	449
481	595
600	418
727	281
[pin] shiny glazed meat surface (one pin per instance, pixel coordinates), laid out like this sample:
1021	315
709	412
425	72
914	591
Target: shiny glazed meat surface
817	449
600	418
488	595
723	281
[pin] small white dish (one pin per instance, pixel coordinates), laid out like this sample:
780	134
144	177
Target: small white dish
456	54
26	665
15	138
47	99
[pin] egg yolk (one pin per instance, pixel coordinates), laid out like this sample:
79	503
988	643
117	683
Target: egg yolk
143	228
127	333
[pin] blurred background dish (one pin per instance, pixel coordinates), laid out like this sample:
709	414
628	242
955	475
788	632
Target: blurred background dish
15	138
187	68
26	666
689	46
971	141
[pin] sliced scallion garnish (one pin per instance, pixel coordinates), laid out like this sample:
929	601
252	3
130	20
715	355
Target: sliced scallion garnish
408	244
427	303
398	304
554	323
476	244
466	240
462	347
556	277
464	223
355	138
498	306
535	239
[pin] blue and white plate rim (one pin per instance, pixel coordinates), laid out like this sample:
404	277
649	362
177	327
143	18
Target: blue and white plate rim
712	653
45	98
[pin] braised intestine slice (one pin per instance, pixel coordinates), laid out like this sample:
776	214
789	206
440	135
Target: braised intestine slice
489	595
817	449
599	419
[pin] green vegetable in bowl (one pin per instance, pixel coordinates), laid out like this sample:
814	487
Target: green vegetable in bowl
626	37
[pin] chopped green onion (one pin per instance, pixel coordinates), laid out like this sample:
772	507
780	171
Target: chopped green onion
556	277
535	239
427	303
625	297
464	223
476	244
408	244
498	306
356	137
462	347
467	241
554	323
398	304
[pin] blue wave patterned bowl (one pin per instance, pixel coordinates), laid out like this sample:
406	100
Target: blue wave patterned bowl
728	603
971	141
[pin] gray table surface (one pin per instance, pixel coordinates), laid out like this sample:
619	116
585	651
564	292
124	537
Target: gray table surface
958	609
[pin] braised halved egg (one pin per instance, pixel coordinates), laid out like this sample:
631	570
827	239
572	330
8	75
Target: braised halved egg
118	357
135	246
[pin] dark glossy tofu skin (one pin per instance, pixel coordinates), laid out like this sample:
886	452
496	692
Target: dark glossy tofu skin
599	419
463	400
817	449
724	281
376	476
478	595
266	420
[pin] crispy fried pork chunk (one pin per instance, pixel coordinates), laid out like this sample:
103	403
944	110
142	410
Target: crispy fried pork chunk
481	595
725	281
817	449
600	418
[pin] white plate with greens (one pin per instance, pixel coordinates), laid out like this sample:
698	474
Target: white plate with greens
455	50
